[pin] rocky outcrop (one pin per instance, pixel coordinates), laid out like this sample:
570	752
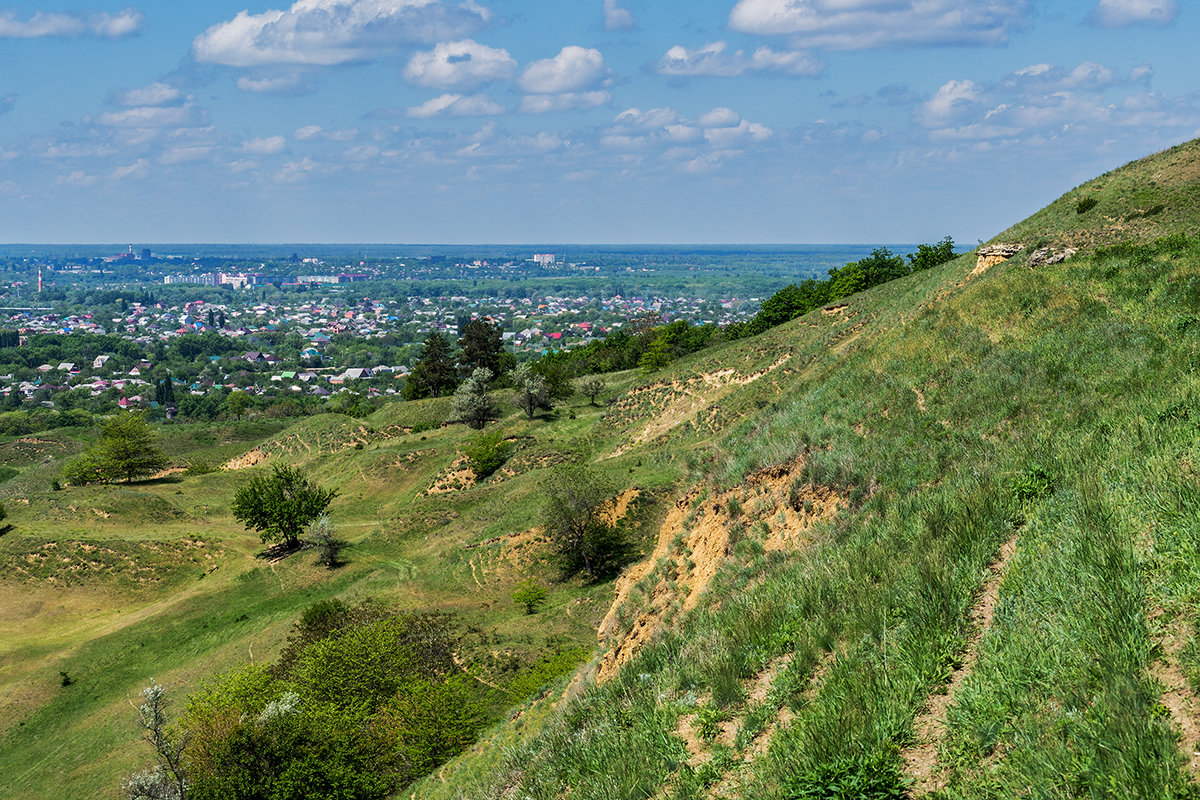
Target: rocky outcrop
994	254
1045	256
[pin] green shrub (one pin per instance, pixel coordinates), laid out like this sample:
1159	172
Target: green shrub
1086	204
531	594
1032	484
487	453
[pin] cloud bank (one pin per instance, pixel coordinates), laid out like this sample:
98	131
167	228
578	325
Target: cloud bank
329	32
70	26
863	24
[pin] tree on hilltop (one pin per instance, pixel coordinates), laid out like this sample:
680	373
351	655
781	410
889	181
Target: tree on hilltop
532	391
127	449
471	403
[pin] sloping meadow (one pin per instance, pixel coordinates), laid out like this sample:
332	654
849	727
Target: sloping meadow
1031	433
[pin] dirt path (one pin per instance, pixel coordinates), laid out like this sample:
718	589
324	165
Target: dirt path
1177	694
920	759
458	662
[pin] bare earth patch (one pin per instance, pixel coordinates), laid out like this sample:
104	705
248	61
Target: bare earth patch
250	459
694	542
1178	696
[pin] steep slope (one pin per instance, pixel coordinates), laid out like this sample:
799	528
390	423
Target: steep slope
1000	601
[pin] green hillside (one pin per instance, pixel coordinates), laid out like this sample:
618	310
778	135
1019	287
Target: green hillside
941	539
949	548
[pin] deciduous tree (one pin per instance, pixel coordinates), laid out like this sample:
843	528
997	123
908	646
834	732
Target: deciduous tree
575	496
281	504
532	391
127	449
591	386
471	403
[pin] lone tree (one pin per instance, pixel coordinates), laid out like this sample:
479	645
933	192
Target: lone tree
531	594
572	515
590	386
433	375
127	449
532	391
471	403
280	505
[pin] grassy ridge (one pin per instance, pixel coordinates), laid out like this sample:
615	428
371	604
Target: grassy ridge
1054	405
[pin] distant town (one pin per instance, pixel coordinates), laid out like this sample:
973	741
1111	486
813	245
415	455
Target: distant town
310	327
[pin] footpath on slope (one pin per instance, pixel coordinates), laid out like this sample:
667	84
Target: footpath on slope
921	758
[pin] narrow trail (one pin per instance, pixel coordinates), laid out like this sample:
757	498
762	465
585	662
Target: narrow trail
920	758
736	783
458	662
1178	696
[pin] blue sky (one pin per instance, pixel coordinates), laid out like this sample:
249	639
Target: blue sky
593	121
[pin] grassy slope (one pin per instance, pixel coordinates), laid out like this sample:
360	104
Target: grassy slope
116	585
1054	407
927	405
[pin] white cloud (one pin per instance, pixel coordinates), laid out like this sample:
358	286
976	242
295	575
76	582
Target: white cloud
45	24
861	24
181	155
721	128
1091	75
456	105
711	59
296	171
565	101
953	99
265	146
138	169
617	18
1121	13
1042	102
7	103
574	68
309	132
156	94
460	65
292	83
186	116
740	134
647	120
719	118
327	32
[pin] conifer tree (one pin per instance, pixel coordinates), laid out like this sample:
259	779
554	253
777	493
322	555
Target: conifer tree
433	375
482	345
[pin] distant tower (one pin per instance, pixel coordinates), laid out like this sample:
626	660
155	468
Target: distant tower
39	280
